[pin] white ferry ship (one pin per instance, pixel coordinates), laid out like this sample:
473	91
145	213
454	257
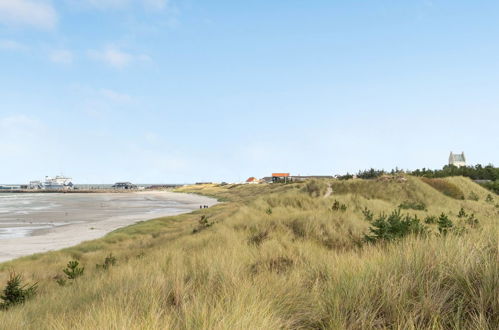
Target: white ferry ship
58	182
53	183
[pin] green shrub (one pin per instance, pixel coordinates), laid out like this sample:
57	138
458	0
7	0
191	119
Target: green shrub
431	219
347	176
394	226
444	224
109	261
368	214
203	224
489	198
472	221
15	292
73	271
370	174
492	186
60	280
337	206
408	205
462	213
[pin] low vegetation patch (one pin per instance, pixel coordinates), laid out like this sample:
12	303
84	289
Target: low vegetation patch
202	224
315	188
492	186
444	224
15	292
109	261
337	206
408	205
277	265
394	226
446	188
72	272
258	237
473	196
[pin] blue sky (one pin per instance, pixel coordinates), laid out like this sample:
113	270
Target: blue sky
189	90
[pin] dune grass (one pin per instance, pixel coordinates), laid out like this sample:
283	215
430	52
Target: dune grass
279	256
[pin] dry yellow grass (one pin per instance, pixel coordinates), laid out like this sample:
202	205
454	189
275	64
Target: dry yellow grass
278	256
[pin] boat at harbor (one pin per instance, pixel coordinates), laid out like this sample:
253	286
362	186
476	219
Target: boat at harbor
58	182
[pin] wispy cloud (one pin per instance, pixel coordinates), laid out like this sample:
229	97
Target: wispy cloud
116	97
107	4
121	4
117	58
62	56
12	45
156	4
39	14
112	56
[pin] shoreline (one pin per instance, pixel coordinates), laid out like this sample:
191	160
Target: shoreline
71	234
81	191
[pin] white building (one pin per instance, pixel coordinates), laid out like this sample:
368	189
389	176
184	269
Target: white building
457	160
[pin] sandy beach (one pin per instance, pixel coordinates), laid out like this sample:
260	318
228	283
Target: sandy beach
54	221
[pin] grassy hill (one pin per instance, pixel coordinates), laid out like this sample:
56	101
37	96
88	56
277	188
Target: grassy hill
285	256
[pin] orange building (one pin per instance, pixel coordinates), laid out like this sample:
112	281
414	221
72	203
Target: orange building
252	180
280	175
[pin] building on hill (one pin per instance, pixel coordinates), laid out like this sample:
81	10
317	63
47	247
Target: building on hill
280	177
252	180
457	160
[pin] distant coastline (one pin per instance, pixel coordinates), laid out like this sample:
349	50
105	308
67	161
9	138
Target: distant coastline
93	188
69	220
76	191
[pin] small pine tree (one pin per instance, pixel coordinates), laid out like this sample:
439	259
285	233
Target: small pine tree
368	214
337	206
472	221
430	219
462	213
444	224
489	198
394	226
15	293
203	224
73	271
109	261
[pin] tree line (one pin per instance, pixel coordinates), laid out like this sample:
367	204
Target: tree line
489	174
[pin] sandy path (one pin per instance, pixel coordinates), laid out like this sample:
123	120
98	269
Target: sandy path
72	234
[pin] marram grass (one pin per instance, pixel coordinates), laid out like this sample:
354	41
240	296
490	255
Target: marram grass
278	257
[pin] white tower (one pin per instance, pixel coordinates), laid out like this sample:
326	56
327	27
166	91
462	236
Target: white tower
457	160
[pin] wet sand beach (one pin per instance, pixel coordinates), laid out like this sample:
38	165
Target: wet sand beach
34	223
